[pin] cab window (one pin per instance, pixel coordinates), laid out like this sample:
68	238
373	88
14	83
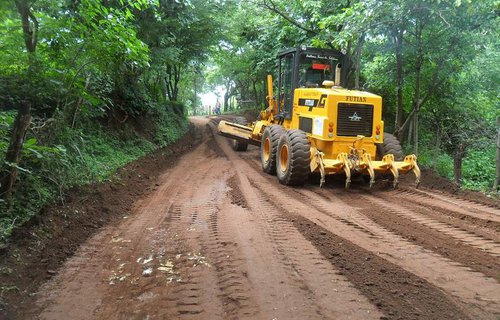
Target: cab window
314	69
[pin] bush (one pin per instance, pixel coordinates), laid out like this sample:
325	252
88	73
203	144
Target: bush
438	160
170	123
88	154
479	169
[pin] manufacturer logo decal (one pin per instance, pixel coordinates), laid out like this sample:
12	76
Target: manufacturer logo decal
322	100
309	103
355	117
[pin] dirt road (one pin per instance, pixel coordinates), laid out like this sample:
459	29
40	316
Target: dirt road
219	239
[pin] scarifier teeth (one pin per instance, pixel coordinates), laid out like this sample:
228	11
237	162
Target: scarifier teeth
395	184
372	182
347	183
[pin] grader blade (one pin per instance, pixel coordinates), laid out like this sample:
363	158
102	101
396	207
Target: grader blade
235	131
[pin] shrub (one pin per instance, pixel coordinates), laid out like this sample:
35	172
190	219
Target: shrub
73	157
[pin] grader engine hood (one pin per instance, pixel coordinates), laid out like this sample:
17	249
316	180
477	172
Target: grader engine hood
345	127
345	113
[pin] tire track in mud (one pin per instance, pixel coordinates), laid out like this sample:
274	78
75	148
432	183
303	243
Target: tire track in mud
398	293
426	236
486	245
229	265
487	229
480	306
327	293
478	213
235	194
210	247
313	289
166	275
477	295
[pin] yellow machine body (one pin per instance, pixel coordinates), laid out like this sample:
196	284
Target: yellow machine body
334	145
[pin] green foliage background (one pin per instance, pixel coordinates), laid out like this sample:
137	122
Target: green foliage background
455	42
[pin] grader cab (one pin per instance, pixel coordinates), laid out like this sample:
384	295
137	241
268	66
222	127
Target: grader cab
316	125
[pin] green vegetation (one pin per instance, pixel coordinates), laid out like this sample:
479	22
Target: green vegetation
435	63
87	86
87	154
84	91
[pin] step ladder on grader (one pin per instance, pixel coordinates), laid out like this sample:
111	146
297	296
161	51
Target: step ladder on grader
316	125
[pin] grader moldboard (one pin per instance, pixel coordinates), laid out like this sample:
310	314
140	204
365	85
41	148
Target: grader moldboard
316	125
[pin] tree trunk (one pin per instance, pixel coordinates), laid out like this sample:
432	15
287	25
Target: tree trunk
226	96
357	60
458	156
418	70
410	131
30	30
497	180
172	81
436	147
8	173
398	39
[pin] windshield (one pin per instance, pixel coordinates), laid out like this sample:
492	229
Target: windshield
316	68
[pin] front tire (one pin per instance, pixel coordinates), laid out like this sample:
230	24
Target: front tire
293	158
268	147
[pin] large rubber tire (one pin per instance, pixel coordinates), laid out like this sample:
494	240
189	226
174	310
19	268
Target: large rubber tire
240	145
390	145
293	158
268	147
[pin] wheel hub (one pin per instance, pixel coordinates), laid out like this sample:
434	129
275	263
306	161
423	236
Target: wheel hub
284	158
267	149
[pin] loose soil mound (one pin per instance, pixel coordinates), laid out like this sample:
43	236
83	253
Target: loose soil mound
431	180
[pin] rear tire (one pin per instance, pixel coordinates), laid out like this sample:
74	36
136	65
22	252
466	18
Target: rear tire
240	145
293	158
268	147
390	145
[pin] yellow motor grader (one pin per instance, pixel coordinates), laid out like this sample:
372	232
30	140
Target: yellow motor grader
316	125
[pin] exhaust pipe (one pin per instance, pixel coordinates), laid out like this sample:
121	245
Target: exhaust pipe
337	75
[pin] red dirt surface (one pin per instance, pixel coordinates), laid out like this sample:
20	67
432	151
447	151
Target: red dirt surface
37	249
208	235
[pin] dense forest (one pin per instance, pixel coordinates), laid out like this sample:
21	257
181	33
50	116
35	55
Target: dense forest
87	86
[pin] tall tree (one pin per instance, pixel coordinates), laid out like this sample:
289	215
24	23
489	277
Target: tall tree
8	172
